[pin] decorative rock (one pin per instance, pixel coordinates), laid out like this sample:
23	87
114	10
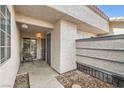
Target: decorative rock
76	86
22	81
77	79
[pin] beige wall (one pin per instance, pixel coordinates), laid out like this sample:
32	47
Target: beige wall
116	28
8	69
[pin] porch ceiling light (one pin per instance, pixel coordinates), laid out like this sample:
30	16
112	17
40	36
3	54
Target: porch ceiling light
38	35
25	26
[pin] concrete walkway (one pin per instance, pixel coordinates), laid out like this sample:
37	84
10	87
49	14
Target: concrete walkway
41	75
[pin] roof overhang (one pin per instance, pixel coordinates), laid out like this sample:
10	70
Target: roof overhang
45	16
116	19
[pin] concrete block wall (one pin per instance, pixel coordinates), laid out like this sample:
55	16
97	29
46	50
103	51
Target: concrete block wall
102	52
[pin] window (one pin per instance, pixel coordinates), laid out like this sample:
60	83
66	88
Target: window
5	34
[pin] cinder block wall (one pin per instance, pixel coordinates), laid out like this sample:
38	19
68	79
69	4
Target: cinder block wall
102	52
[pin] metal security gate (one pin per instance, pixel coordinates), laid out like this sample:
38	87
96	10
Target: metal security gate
101	75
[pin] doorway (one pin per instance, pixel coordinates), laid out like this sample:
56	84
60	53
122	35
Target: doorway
48	48
29	48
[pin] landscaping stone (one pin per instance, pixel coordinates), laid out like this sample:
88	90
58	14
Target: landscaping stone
79	79
22	81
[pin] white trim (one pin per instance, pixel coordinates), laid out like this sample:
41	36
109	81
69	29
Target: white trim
6	47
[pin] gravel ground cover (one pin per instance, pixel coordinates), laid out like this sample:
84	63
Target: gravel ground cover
76	77
22	81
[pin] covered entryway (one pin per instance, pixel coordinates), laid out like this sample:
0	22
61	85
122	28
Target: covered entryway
35	37
35	30
36	40
41	75
35	43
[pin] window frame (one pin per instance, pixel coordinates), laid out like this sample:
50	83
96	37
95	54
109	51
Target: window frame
5	41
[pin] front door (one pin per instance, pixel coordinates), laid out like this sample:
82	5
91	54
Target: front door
29	47
49	49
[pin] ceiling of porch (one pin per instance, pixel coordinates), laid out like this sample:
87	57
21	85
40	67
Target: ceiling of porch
40	12
32	28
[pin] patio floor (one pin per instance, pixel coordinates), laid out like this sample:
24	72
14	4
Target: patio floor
41	75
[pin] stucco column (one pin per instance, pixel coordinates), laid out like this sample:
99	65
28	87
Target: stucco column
68	49
39	48
63	46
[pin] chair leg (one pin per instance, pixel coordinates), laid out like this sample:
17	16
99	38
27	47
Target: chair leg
32	61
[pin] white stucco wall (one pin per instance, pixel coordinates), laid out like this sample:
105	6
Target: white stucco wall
84	14
8	69
117	28
55	47
63	46
68	33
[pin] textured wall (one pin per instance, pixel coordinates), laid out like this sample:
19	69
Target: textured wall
8	70
105	53
85	15
55	47
63	46
68	50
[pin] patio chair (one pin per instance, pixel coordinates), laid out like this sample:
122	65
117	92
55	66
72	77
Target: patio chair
27	57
